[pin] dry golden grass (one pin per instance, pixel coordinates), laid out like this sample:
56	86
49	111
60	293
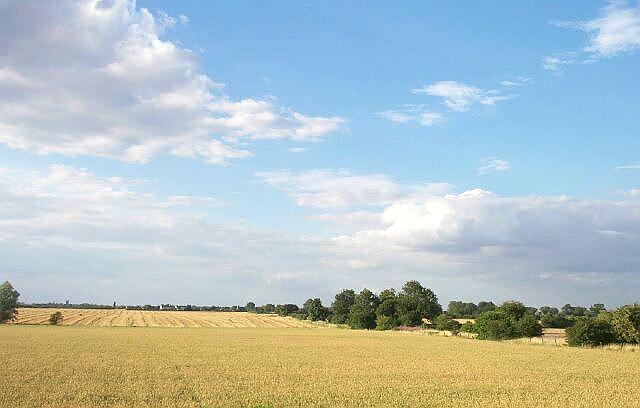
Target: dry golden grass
138	318
48	366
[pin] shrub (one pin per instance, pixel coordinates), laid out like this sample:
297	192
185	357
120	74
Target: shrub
467	327
496	325
55	318
445	322
528	326
626	323
590	332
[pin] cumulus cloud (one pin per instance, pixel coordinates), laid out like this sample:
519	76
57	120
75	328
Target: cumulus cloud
509	246
95	77
460	97
491	164
616	31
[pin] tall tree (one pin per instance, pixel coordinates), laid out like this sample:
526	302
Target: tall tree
387	310
363	311
415	303
8	302
341	306
314	310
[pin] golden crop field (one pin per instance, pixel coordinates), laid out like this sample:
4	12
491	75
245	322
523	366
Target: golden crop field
75	366
140	318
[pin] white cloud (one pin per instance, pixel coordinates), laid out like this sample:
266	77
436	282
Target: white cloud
342	189
396	116
297	149
93	238
616	31
96	78
413	113
520	81
460	97
333	189
556	62
491	164
634	166
430	118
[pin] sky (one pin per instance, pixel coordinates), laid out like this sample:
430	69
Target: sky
226	152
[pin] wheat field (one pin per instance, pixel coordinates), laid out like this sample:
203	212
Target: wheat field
77	366
151	318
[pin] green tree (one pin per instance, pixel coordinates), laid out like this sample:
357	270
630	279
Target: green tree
462	310
496	325
415	302
513	308
596	309
8	302
314	310
467	327
528	326
55	318
446	322
287	309
590	332
363	311
485	307
341	306
387	310
251	307
626	323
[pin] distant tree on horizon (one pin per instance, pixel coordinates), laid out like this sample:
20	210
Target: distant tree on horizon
8	302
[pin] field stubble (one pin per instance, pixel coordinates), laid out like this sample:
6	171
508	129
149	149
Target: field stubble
50	366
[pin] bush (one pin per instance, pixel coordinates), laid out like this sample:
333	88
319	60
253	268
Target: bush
467	327
528	326
590	332
445	322
496	325
626	323
55	318
556	321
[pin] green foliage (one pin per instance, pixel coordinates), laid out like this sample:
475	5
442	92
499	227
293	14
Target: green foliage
416	302
590	332
573	311
514	309
287	309
496	325
528	326
314	310
250	307
55	318
8	302
556	321
387	310
485	307
363	311
626	323
467	327
462	310
341	306
446	322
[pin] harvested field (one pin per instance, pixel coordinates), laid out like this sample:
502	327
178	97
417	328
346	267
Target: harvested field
144	318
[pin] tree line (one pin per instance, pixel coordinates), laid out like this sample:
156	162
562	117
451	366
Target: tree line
417	306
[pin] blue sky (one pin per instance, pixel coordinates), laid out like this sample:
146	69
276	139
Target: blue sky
270	151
